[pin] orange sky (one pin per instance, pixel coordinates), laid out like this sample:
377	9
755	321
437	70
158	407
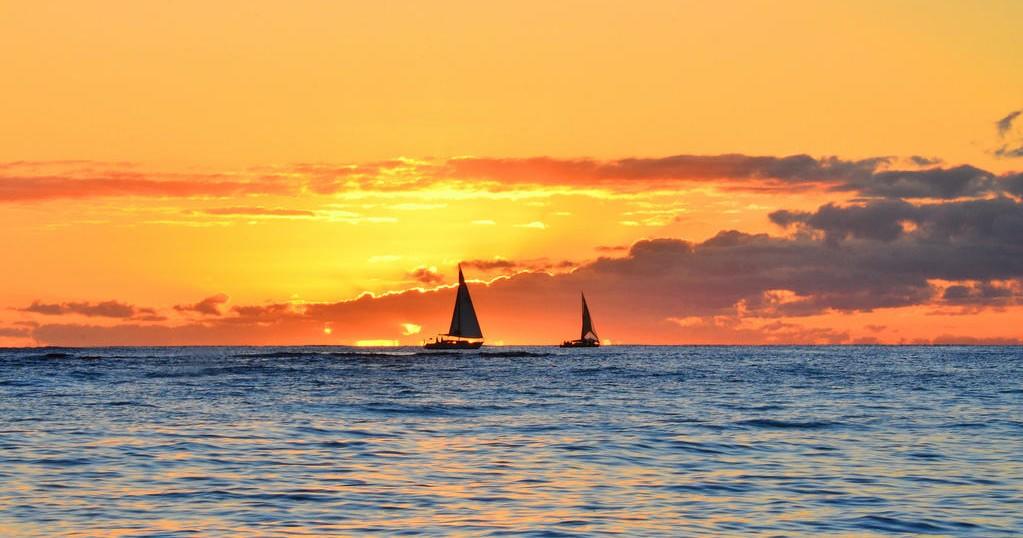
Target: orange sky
282	159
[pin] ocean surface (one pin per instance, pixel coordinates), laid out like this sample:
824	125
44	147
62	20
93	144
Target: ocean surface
512	441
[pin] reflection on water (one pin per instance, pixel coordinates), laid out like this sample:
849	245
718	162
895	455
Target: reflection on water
639	441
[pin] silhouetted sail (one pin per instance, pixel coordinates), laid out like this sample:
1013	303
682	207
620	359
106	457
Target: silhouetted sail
589	333
588	337
463	321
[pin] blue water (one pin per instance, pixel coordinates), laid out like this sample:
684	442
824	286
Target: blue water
651	441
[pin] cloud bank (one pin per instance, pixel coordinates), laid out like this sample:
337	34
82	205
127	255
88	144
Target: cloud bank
947	239
734	286
872	177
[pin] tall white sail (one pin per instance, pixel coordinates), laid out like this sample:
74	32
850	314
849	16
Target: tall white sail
589	333
463	321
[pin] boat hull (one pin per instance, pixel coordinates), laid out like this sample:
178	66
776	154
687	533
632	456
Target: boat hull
580	343
452	344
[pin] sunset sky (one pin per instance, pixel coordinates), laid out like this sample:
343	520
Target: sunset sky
313	172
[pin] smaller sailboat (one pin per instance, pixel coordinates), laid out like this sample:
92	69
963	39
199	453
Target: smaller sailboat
465	332
589	336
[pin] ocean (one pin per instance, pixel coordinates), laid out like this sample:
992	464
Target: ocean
512	441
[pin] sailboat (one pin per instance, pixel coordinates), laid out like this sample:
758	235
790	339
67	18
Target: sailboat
465	332
589	337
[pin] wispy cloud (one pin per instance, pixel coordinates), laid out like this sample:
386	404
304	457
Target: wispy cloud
1004	125
105	309
426	275
209	306
439	182
1011	147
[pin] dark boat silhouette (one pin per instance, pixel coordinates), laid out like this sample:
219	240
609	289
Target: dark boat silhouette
589	337
465	332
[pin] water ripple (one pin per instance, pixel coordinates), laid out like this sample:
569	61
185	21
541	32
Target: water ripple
644	441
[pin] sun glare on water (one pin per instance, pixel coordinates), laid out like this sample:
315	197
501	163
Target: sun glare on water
376	343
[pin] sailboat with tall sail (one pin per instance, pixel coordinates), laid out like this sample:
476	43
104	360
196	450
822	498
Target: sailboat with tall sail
465	332
588	337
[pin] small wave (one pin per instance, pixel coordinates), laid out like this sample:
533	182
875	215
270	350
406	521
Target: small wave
855	500
364	433
598	370
900	525
925	455
547	533
15	383
709	487
765	407
938	480
428	410
513	354
787	424
52	355
62	462
210	372
574	447
119	403
699	448
343	444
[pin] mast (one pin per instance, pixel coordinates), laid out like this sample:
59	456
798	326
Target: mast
588	332
464	323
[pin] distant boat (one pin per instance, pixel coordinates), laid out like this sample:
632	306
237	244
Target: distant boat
465	332
589	336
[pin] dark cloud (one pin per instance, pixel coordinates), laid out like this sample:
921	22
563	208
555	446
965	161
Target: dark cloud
1012	149
878	220
762	275
945	183
106	309
426	275
490	265
510	266
1007	151
1004	125
210	306
866	177
920	160
793	168
1013	184
268	313
968	223
987	293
